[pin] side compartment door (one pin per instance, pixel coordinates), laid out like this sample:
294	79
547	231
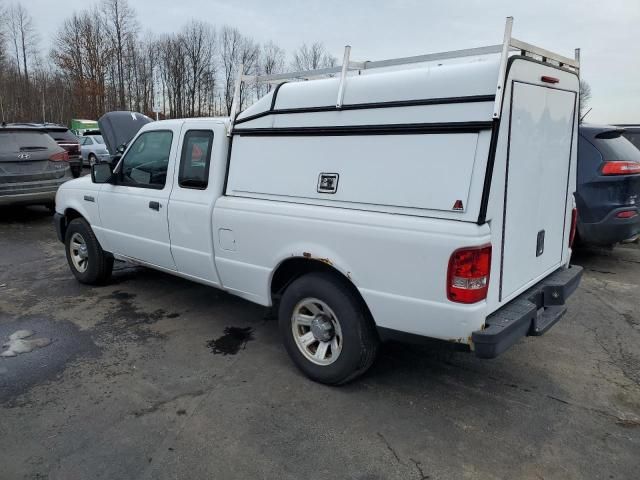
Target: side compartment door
191	202
134	210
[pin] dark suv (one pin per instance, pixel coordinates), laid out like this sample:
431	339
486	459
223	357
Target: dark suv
608	193
32	166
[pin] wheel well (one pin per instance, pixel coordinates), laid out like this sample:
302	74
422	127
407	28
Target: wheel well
69	214
295	267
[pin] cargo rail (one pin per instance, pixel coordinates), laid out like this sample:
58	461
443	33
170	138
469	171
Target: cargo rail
505	49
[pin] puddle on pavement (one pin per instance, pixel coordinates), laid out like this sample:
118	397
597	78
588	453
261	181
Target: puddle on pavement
20	342
233	340
36	350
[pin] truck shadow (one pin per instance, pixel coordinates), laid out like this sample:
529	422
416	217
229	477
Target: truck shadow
23	214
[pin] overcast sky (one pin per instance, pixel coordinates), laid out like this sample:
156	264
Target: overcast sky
608	32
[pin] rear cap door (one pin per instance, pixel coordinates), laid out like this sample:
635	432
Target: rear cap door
539	176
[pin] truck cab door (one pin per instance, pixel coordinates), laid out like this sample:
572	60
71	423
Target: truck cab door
133	210
198	183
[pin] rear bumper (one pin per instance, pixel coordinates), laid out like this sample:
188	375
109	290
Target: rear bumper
610	230
532	313
30	193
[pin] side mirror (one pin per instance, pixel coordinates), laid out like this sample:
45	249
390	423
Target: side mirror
101	173
121	148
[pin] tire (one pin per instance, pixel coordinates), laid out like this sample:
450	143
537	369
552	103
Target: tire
98	266
338	310
92	160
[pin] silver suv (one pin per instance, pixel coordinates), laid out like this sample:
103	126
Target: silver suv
32	166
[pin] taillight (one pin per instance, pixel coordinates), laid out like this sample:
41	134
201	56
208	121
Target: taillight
468	276
574	223
60	157
627	214
620	168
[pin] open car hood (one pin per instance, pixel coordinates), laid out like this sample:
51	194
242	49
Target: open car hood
119	128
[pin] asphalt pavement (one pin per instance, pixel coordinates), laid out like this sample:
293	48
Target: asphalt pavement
154	377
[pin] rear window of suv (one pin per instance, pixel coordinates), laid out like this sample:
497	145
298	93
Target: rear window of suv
614	146
24	141
633	137
63	136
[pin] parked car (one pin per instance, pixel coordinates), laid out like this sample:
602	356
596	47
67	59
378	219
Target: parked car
32	166
632	133
67	140
93	149
608	194
391	213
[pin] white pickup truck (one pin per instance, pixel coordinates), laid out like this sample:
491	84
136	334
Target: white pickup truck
431	200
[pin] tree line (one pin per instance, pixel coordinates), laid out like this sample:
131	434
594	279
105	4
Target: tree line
99	62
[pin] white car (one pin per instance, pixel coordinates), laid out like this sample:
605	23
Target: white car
93	149
417	202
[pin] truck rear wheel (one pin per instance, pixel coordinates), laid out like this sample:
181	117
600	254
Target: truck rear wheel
326	329
88	262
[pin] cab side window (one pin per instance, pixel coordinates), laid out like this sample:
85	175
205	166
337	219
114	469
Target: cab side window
195	159
145	163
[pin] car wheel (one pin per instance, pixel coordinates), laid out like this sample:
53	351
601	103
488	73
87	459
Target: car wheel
326	328
88	262
92	160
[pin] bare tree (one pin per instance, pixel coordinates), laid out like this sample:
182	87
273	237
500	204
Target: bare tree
236	49
199	44
23	38
585	97
120	21
312	57
83	57
271	62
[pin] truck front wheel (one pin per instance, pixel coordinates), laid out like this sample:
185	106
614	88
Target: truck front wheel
88	262
327	329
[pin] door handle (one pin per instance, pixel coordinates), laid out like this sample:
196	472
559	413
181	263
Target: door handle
154	205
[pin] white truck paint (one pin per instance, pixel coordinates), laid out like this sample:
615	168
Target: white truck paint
381	191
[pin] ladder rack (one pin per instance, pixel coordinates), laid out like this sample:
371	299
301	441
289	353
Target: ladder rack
508	46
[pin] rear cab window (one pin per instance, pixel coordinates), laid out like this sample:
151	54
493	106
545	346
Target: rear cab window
195	159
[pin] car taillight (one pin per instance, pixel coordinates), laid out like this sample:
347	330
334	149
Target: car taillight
60	157
620	168
627	214
468	276
574	223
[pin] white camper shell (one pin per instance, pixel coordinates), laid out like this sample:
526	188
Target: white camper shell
394	197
